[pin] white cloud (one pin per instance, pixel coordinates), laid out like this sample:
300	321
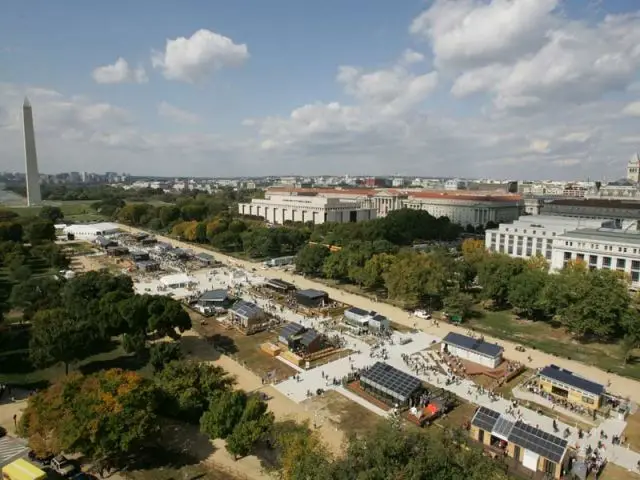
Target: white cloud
119	72
195	58
409	57
632	109
465	33
179	115
539	146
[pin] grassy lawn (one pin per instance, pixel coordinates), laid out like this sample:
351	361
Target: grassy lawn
457	417
542	336
76	210
18	370
614	472
632	432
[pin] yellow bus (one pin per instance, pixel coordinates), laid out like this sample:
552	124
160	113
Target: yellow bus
22	470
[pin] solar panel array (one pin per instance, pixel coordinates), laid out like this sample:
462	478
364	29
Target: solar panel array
569	378
246	309
503	428
538	441
290	330
309	336
312	293
485	419
391	381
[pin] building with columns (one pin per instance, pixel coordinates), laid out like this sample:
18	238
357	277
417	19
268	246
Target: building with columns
279	209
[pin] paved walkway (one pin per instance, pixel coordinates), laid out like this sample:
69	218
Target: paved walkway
620	385
322	377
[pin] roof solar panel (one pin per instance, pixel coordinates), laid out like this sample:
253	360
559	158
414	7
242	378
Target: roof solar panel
291	329
485	419
246	309
309	336
474	344
503	427
394	382
538	441
565	376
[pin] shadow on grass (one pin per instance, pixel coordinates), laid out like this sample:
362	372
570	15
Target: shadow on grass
125	362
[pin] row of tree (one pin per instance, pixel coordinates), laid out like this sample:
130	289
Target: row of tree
114	415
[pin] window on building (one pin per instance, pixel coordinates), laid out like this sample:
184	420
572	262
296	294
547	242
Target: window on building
635	264
548	255
550	468
580	256
567	255
635	276
588	400
606	262
593	259
621	263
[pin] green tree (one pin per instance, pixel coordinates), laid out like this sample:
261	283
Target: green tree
495	274
310	259
186	388
108	416
57	338
526	290
458	303
50	213
163	353
225	412
375	268
38	231
35	294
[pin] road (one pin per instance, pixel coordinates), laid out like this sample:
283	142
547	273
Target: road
623	386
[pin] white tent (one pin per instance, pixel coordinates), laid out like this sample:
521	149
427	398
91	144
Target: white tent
178	280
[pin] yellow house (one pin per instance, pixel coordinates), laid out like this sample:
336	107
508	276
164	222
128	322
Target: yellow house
530	447
568	386
22	470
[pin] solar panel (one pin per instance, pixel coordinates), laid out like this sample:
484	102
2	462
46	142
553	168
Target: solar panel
485	419
357	311
470	343
290	330
393	382
309	336
246	309
538	441
503	428
565	376
311	293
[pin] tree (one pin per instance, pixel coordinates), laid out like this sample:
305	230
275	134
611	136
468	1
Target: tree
39	293
37	231
301	453
186	388
473	251
167	315
10	232
495	274
375	268
50	213
525	292
225	412
310	259
58	338
458	303
163	353
244	437
107	416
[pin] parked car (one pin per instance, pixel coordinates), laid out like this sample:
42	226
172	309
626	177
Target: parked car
422	314
62	466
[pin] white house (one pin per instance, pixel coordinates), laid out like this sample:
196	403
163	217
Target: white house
90	231
178	280
472	349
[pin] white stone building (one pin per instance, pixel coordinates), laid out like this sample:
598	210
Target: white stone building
468	208
613	249
533	235
90	231
307	208
633	169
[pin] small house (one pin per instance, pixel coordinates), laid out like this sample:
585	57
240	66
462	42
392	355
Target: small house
378	323
312	298
147	266
214	299
290	334
472	349
310	341
249	316
566	385
280	286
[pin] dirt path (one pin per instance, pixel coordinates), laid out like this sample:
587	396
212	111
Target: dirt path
618	384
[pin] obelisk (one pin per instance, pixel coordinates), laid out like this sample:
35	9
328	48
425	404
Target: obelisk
31	157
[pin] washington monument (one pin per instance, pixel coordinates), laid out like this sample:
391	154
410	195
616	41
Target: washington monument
31	157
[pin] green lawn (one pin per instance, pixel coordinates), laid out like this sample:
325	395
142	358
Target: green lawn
17	369
542	336
76	210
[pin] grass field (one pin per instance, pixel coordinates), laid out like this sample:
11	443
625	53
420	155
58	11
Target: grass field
77	211
555	340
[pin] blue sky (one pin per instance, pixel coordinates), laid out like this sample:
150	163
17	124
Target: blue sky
468	103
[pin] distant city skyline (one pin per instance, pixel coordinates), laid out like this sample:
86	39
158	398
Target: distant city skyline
521	89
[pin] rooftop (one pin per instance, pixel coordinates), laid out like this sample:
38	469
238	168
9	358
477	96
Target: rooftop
596	202
569	378
246	309
521	434
357	311
290	330
214	295
392	381
604	235
309	336
474	344
176	278
280	284
312	293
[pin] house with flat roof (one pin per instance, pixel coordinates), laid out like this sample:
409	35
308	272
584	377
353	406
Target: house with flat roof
212	301
312	298
472	349
248	316
566	385
389	384
530	448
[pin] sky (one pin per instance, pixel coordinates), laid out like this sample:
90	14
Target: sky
508	89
